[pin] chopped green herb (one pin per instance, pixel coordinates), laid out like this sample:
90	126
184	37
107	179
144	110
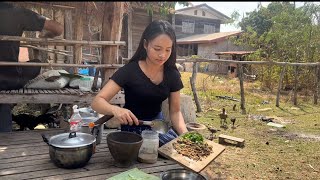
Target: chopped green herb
194	137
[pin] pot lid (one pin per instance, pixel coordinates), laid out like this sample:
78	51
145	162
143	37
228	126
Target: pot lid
72	140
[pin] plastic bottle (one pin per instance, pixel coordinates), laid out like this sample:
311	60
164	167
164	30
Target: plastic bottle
85	84
75	120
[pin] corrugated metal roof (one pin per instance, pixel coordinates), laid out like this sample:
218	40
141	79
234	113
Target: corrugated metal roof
206	38
234	52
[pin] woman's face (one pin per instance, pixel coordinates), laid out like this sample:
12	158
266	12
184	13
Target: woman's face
159	49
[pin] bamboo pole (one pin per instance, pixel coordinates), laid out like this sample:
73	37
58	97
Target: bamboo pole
62	41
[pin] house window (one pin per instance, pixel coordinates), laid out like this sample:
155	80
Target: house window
187	26
195	12
203	13
209	28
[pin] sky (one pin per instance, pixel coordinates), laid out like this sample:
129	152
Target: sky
228	7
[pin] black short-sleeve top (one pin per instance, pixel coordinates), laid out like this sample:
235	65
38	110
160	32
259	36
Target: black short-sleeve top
142	97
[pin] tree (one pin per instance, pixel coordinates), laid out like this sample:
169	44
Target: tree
282	32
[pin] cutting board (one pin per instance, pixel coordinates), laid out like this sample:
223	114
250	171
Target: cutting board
169	152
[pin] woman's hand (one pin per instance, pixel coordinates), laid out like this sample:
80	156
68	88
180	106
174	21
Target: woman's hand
125	116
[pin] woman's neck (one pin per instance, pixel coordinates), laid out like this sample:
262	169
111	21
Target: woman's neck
152	67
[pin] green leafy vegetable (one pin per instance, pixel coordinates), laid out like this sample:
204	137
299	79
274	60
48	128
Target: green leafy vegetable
194	137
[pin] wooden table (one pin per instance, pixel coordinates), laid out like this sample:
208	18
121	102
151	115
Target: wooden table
24	155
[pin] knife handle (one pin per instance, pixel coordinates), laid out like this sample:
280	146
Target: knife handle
149	123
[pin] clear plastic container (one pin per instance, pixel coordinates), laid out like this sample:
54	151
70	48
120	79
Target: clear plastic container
75	120
85	84
148	152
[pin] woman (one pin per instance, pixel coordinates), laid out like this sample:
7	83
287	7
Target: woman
149	78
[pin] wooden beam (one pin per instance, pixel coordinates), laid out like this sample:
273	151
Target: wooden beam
61	41
51	97
112	66
46	5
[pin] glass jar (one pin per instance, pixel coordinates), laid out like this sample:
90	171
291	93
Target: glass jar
85	84
148	152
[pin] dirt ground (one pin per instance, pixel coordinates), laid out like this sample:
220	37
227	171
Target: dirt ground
269	152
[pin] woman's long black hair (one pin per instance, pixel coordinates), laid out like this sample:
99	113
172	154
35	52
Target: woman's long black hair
154	29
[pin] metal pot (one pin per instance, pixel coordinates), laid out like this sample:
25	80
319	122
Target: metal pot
71	150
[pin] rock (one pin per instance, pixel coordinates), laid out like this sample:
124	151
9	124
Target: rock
265	109
188	66
187	109
180	67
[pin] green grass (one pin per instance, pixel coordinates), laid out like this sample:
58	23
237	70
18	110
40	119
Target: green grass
269	153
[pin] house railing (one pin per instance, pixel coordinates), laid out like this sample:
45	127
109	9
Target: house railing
65	95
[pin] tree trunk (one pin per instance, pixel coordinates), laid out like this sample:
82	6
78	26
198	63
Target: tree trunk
242	102
193	86
280	85
111	31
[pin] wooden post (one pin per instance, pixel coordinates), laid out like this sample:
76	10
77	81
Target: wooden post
50	56
295	90
33	53
130	48
58	16
78	32
317	86
280	85
68	35
193	85
111	30
242	101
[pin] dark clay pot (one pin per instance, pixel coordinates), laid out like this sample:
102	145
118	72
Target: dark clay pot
124	147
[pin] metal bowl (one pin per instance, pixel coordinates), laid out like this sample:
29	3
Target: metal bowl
180	174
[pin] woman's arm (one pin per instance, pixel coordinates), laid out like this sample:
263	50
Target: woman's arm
175	113
101	104
51	29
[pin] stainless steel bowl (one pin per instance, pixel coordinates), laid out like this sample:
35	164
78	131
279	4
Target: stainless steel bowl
180	174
